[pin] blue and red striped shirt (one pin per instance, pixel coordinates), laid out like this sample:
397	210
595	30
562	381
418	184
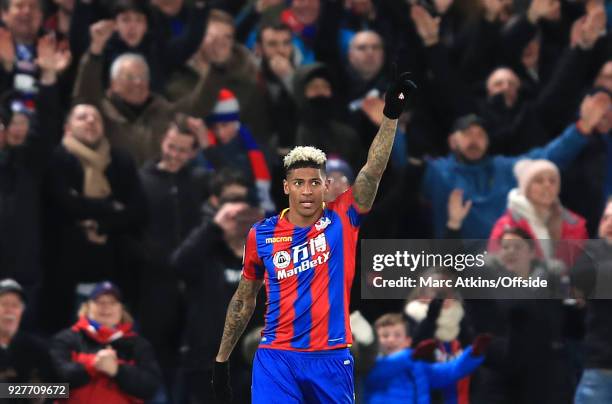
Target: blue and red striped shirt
308	273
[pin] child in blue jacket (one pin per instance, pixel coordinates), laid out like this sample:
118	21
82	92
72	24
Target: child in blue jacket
400	377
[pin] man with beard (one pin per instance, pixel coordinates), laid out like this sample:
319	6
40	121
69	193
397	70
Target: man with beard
276	73
318	125
486	180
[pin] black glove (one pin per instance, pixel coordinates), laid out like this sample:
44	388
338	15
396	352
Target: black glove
221	382
396	96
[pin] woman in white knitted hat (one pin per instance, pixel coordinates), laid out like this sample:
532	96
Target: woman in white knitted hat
535	207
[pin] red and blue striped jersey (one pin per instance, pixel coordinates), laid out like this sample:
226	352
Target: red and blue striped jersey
308	273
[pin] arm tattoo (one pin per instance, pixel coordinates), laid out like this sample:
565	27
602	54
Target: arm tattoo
239	313
366	183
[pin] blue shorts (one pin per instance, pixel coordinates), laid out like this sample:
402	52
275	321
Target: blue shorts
287	377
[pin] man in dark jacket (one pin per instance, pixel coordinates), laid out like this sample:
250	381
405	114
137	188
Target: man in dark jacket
24	153
593	275
210	263
23	358
98	199
318	125
276	72
175	189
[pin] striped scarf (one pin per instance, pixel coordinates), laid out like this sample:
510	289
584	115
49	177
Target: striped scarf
259	167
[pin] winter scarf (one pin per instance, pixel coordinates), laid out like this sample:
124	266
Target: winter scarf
94	163
545	230
307	32
259	167
100	333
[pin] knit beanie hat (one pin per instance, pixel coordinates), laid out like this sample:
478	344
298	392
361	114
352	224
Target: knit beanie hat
525	170
226	109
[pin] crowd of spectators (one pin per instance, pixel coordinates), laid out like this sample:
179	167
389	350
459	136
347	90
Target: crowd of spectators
140	140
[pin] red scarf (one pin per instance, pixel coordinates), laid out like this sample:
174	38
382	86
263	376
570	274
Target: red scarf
102	334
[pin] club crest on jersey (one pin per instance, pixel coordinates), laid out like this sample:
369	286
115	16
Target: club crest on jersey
281	259
322	223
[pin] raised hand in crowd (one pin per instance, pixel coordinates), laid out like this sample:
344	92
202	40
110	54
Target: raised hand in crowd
544	10
281	66
427	27
263	5
595	113
442	6
7	49
198	127
457	209
497	10
100	33
227	215
373	108
51	58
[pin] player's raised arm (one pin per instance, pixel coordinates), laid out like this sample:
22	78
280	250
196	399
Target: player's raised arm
366	183
239	313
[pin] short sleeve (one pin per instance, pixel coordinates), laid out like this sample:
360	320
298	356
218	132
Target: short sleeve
345	205
252	268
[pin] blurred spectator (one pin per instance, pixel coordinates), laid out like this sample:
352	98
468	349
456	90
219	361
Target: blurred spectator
98	203
59	21
223	63
276	71
231	144
361	15
135	118
595	384
587	182
535	207
444	321
486	180
340	176
226	185
528	360
399	376
26	142
318	125
101	357
175	189
23	357
20	42
133	30
514	124
364	78
210	263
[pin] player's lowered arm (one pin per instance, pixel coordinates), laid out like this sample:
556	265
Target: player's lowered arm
366	183
239	313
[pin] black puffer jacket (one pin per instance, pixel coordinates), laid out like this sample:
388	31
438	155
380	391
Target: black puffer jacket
138	376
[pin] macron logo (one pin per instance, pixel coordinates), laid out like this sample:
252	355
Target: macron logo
286	239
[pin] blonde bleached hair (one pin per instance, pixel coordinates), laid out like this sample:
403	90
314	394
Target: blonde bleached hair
304	156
